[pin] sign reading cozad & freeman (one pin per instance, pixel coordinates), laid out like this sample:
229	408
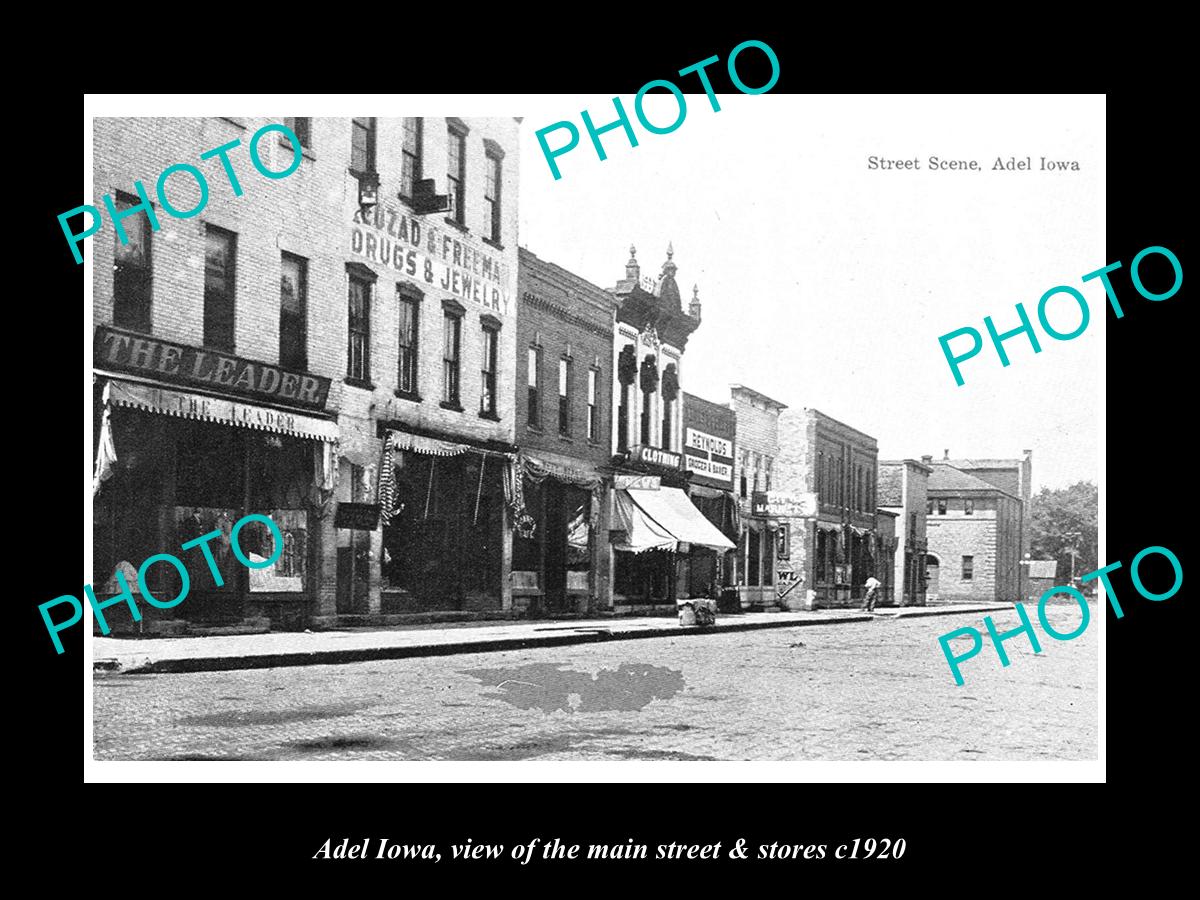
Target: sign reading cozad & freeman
124	351
447	260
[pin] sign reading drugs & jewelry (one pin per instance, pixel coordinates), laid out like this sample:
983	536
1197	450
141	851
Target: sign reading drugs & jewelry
444	258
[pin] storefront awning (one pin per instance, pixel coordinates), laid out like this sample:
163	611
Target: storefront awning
185	405
662	519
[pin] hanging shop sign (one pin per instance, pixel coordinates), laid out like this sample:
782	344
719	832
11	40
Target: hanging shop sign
359	516
116	350
439	257
783	503
656	456
709	455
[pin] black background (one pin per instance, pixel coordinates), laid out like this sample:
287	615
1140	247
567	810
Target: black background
959	836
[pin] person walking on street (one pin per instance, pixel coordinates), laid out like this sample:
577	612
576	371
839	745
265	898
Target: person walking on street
873	585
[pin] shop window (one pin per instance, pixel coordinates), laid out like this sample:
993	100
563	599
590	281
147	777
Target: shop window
968	568
456	174
527	550
302	128
753	560
362	145
410	155
768	546
293	303
487	394
131	269
219	280
358	358
409	311
535	384
578	507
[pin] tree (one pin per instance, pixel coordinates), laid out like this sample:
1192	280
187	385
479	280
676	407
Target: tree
1064	518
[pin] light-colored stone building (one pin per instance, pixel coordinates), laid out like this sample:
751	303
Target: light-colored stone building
903	490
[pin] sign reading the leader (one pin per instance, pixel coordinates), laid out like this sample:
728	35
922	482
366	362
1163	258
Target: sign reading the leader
116	350
442	258
709	455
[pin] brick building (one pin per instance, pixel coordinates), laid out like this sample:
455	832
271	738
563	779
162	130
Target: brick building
975	534
758	444
561	558
655	524
293	339
903	490
836	545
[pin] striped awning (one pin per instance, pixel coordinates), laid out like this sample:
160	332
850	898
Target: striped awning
186	405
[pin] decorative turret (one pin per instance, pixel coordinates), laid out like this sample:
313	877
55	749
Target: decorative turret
632	270
666	289
694	306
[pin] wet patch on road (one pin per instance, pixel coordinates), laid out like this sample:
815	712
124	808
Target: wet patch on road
675	755
550	687
241	717
342	742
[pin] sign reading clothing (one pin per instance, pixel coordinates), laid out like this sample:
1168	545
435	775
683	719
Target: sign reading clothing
700	455
448	260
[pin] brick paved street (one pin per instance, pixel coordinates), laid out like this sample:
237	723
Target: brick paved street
874	690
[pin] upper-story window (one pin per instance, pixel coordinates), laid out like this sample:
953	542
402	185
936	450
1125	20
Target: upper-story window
564	396
535	383
131	269
593	417
456	172
451	354
302	128
362	145
492	193
767	464
219	280
358	356
410	155
410	311
491	343
941	507
293	302
969	507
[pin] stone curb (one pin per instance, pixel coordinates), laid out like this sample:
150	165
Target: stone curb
365	654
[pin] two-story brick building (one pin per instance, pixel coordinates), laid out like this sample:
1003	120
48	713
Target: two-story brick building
561	558
903	488
754	472
280	348
840	547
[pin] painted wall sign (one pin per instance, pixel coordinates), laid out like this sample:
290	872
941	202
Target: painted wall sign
783	503
117	350
442	258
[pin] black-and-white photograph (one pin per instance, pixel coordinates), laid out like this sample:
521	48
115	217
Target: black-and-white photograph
772	437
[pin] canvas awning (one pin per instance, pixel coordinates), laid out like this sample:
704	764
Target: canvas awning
187	405
662	519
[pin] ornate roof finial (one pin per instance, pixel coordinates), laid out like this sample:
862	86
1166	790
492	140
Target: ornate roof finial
694	306
632	269
670	250
695	292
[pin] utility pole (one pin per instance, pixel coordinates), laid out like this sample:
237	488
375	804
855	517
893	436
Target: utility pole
1074	536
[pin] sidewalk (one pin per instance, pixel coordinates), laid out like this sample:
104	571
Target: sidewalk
259	651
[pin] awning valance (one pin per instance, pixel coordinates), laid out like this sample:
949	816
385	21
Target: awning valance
662	519
185	405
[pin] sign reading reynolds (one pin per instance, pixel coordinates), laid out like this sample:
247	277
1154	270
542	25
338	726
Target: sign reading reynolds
700	455
123	351
446	259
